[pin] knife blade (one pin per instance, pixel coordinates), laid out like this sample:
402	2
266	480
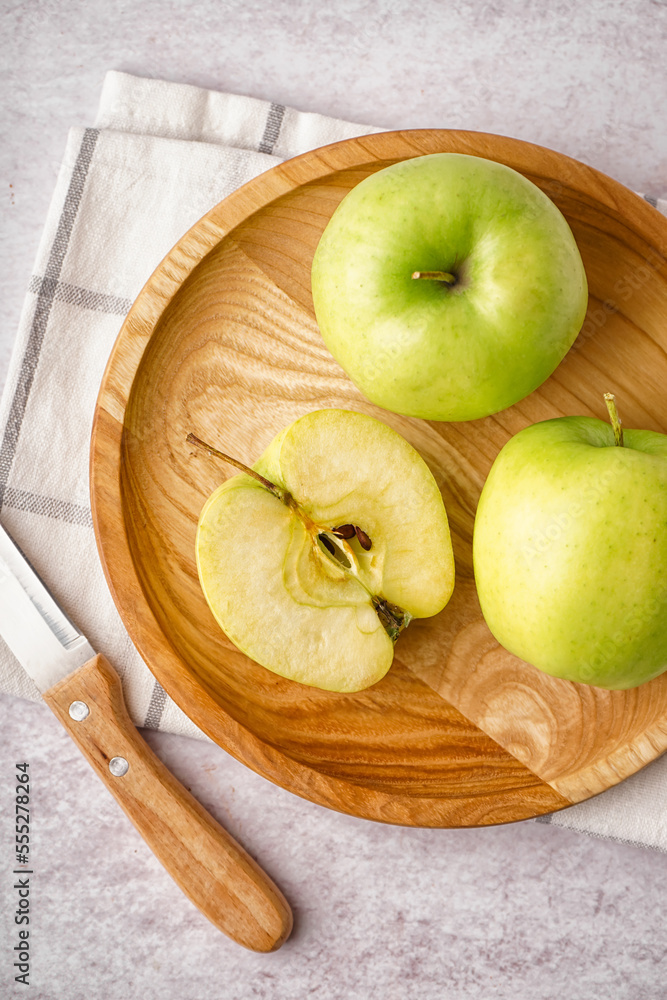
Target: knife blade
85	694
41	637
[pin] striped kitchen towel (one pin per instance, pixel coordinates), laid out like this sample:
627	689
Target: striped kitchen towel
159	157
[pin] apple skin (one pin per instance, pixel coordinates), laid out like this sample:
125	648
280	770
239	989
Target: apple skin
570	551
417	346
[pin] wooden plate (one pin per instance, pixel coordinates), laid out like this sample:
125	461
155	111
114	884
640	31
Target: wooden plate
222	341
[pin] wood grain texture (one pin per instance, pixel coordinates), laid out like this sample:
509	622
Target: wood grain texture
223	342
215	872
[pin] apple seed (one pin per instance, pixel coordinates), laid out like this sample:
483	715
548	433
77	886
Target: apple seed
348	531
363	538
334	550
328	545
344	531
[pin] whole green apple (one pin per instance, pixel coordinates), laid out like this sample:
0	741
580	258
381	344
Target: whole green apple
570	551
500	297
316	559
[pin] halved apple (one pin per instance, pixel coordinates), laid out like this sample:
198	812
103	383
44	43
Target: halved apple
316	571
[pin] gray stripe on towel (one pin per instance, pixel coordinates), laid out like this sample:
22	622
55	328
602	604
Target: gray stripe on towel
84	297
274	122
156	707
59	510
45	298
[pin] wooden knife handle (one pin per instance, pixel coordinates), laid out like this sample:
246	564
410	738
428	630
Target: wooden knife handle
215	872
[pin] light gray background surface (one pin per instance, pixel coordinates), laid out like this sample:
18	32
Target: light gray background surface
527	911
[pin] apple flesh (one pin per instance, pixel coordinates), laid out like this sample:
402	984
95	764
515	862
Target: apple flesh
570	551
510	302
286	584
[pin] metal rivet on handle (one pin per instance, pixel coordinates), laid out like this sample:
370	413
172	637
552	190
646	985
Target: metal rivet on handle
79	711
118	766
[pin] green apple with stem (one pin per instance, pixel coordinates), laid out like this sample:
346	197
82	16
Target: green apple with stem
315	560
448	286
570	550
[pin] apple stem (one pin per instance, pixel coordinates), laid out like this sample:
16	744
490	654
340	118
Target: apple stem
610	400
282	495
445	276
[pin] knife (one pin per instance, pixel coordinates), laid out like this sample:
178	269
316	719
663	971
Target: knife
84	692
